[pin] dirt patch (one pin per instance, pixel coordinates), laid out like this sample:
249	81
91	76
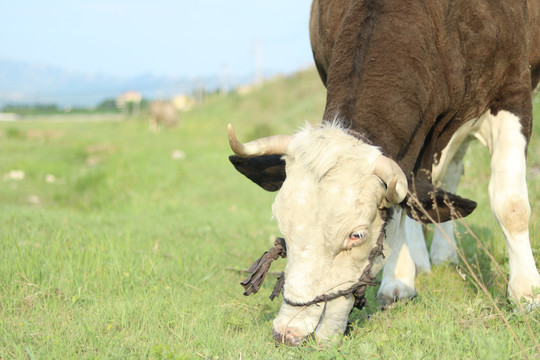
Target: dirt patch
97	153
44	134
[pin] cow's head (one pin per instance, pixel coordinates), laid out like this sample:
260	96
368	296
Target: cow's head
335	192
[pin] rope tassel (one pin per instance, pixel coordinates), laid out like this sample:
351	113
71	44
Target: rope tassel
279	285
260	268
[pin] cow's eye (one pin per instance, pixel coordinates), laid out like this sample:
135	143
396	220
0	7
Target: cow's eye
358	235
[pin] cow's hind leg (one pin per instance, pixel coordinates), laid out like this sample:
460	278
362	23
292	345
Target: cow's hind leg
449	172
509	198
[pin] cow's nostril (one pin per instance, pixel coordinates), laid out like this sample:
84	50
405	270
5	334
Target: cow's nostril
289	338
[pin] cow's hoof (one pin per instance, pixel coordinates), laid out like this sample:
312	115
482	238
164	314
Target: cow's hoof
526	305
529	306
390	295
529	296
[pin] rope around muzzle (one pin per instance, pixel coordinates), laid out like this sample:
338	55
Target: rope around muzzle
260	268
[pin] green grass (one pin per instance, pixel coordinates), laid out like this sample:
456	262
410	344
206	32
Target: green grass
127	254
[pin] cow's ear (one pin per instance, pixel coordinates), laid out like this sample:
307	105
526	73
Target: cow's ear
267	171
425	199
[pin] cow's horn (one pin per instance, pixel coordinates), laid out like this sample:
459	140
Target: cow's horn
271	145
394	178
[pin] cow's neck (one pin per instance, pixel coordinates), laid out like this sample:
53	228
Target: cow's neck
389	124
381	90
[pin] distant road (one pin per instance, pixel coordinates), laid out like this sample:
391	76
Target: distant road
65	117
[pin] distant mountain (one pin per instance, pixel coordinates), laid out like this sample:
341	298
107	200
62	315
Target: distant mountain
33	83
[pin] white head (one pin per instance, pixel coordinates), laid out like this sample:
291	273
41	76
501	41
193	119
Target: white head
331	209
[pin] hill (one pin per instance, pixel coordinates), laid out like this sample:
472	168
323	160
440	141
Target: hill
37	83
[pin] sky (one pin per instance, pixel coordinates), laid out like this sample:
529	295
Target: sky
160	37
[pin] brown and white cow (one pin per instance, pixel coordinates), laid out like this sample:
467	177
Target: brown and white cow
409	84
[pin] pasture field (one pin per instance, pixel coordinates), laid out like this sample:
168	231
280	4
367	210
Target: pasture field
116	242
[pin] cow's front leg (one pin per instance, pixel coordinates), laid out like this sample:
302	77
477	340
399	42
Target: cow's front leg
399	270
509	199
416	242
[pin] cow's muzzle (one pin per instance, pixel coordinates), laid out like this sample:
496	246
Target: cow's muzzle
290	337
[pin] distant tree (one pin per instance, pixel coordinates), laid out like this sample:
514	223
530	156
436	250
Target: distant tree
46	108
32	109
145	105
107	105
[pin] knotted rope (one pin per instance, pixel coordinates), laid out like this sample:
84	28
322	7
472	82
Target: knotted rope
260	268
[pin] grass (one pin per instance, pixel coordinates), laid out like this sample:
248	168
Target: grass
124	251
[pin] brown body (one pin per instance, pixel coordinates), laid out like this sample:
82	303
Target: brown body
408	74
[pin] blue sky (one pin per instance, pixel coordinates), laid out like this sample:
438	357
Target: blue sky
161	37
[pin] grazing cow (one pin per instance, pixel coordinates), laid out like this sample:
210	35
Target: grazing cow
162	113
409	84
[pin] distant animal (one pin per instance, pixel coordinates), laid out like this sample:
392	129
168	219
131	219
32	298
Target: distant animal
162	113
409	84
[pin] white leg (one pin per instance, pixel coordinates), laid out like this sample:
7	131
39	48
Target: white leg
441	250
398	274
509	198
417	245
443	246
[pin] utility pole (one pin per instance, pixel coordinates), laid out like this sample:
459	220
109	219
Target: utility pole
224	79
258	51
199	90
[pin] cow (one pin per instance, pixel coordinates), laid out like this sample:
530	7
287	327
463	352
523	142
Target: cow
409	85
162	113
